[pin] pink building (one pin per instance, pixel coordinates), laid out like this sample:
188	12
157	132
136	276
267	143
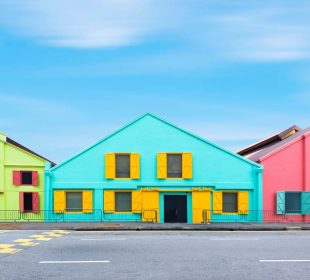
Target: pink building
286	179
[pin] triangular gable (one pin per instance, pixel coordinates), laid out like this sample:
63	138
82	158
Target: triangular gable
167	123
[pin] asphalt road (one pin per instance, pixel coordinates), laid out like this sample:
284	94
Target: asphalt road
154	255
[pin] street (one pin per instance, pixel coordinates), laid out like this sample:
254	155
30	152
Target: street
60	254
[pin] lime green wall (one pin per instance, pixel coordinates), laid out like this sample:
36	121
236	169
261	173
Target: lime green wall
13	158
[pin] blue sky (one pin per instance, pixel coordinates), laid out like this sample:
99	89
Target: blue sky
73	71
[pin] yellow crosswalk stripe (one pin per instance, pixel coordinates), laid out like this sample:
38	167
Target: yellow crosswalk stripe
41	237
25	242
52	234
61	231
9	251
3	246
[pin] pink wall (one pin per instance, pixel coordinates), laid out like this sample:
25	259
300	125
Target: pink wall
286	170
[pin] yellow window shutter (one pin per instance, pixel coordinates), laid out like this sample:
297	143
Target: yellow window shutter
243	202
134	166
217	202
187	165
161	165
110	166
59	201
109	202
150	206
87	201
200	202
136	200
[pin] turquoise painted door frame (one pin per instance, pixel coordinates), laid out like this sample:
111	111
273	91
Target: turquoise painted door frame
162	205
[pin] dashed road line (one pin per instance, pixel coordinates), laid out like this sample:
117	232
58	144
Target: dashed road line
72	262
283	261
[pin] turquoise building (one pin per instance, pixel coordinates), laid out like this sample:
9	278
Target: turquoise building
153	171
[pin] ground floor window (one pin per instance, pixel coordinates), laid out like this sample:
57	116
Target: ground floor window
123	201
74	201
230	202
29	201
293	202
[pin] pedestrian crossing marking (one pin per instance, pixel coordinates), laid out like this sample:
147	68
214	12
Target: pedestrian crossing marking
9	250
30	242
25	242
4	231
22	240
52	234
4	246
41	237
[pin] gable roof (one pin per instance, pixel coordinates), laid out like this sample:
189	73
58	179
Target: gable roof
18	145
167	123
268	146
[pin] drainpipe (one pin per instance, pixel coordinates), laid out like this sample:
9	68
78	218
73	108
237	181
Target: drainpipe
47	187
259	191
306	151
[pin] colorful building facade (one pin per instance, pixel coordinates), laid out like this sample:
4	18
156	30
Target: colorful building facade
286	180
151	170
21	181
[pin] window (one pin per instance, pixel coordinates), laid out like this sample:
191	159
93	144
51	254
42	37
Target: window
74	202
230	202
26	177
292	202
174	166
122	166
123	201
29	202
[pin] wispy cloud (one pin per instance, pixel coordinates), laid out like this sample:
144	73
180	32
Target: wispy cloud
236	30
82	24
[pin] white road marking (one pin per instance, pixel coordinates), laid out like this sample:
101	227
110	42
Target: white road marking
284	260
71	262
103	239
232	239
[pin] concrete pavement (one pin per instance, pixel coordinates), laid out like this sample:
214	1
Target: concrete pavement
82	226
161	255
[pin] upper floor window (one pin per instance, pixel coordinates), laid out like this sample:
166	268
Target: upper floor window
26	178
174	165
122	166
122	162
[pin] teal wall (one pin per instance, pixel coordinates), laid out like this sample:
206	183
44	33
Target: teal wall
212	166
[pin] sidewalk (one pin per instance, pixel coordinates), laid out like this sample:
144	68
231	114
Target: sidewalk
154	226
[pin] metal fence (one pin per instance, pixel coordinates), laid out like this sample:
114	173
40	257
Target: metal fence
253	216
97	215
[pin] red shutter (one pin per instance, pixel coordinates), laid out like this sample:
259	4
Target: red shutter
35	202
21	202
35	178
17	178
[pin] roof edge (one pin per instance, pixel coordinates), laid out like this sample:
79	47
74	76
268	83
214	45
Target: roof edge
306	134
166	122
20	146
